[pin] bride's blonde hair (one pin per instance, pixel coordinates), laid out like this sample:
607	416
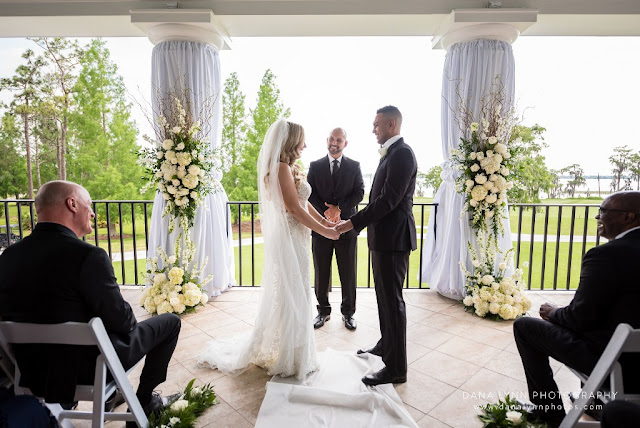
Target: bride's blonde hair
288	155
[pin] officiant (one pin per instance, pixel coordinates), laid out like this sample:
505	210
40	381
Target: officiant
336	190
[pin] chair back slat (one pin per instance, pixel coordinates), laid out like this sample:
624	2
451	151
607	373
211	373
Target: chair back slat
73	333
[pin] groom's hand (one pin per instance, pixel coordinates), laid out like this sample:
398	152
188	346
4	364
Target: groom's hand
344	226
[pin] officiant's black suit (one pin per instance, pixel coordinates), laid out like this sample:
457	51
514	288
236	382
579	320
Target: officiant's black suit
53	277
391	234
345	190
576	335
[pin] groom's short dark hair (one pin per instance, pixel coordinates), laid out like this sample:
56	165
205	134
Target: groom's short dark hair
391	112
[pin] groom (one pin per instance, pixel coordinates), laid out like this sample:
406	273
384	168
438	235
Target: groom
391	235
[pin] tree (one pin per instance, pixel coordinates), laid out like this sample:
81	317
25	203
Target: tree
577	180
429	180
63	56
268	109
25	84
529	172
13	165
101	129
234	131
621	161
635	169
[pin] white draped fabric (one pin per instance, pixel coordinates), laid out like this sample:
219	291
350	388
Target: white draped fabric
196	67
469	72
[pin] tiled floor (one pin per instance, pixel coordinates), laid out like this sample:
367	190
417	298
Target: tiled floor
456	360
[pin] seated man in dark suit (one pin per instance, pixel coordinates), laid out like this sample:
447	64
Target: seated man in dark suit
53	277
620	414
607	295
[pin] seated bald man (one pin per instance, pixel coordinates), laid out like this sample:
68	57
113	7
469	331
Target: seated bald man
51	277
607	295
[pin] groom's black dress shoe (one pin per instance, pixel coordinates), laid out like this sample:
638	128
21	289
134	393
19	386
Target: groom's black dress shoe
320	320
375	351
349	322
383	376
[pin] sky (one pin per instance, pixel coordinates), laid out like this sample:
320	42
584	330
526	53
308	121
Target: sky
583	90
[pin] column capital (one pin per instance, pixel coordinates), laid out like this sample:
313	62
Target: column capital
196	25
462	25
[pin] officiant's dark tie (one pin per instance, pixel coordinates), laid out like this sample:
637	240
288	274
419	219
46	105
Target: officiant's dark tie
334	172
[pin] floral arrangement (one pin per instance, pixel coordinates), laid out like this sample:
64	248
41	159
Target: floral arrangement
483	159
170	288
180	162
491	292
184	411
507	413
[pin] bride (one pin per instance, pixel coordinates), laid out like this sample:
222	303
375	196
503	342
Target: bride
282	341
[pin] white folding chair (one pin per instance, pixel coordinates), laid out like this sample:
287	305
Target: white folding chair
624	339
75	333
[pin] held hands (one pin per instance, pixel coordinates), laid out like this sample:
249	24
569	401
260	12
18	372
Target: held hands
330	230
546	309
344	226
332	213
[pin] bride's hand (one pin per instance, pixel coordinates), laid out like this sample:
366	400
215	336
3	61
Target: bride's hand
331	233
328	223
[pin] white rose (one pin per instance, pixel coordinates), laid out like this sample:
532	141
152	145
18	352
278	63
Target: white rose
166	196
159	278
164	308
469	183
193	195
171	259
493	140
167	144
480	155
481	178
494	308
180	146
194	169
472	156
181	173
159	154
488	214
501	148
172	190
487	279
478	193
174	421
514	417
507	155
183	158
204	298
475	167
468	301
509	185
473	203
491	198
200	158
176	129
179	405
475	263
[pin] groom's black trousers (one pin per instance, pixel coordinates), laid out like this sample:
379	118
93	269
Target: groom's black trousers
389	273
345	249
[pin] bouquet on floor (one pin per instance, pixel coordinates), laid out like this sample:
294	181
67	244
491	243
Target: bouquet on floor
184	411
490	292
172	289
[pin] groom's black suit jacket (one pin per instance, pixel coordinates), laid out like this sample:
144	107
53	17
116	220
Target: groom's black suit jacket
388	215
346	193
53	277
608	293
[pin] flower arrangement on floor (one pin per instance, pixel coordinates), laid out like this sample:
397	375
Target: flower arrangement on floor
490	292
506	413
172	289
180	163
483	160
184	412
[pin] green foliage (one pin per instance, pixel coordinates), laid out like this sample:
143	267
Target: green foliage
496	415
199	400
529	172
429	180
13	165
577	178
242	182
622	160
103	133
234	131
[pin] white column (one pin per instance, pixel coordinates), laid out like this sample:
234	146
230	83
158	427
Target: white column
186	55
477	52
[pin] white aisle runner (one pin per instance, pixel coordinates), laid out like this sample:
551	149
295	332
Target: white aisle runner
334	396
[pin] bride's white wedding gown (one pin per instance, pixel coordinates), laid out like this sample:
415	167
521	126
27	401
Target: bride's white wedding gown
282	341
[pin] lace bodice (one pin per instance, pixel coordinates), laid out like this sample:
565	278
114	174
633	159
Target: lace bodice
304	191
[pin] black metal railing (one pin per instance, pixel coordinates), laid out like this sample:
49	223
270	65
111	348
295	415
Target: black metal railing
553	247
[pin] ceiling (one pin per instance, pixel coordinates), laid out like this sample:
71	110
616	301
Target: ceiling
268	18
